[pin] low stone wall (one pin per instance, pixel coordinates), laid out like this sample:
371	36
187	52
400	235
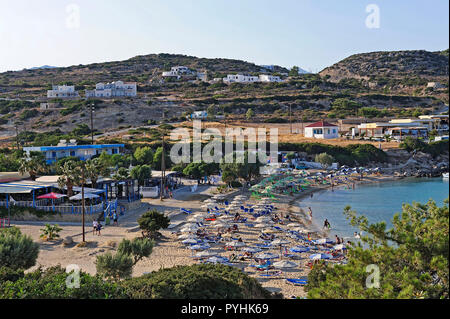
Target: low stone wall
27	216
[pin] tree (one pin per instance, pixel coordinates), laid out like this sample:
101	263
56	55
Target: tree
250	114
34	165
294	71
412	258
152	221
116	267
324	159
17	251
121	174
141	173
94	169
137	248
157	159
50	232
144	155
70	176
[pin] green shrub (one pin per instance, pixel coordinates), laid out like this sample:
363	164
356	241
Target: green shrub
152	221
51	284
117	266
17	251
195	282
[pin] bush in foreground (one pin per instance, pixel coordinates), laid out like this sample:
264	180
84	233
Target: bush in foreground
17	251
195	282
412	258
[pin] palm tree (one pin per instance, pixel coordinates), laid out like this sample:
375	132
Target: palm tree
70	176
34	165
94	169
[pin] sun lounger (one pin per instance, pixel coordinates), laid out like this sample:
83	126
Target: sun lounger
183	210
297	282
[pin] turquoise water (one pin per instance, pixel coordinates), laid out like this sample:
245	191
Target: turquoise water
377	201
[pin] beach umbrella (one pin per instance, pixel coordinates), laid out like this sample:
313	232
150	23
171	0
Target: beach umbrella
189	229
224	217
320	256
195	219
219	223
199	247
235	244
263	219
339	247
86	196
269	230
205	254
217	260
51	196
320	241
189	241
260	225
200	214
284	264
279	242
299	249
252	250
187	236
266	256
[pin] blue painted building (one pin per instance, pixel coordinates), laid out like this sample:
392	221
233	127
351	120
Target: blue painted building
83	152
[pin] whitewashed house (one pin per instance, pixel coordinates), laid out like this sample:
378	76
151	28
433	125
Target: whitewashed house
322	129
240	78
269	78
62	91
114	89
198	115
178	71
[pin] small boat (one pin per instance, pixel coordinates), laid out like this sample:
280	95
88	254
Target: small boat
445	175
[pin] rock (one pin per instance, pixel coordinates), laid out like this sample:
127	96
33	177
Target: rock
68	241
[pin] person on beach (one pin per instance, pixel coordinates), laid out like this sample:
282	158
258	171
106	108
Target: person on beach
310	214
115	219
94	227
99	228
326	224
338	241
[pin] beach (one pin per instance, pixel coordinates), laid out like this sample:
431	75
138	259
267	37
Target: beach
169	251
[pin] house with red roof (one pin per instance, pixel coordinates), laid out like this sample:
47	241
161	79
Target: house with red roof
322	129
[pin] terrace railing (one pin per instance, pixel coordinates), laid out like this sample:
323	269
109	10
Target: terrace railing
65	209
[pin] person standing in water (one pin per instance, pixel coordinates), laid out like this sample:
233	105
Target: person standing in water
326	224
310	214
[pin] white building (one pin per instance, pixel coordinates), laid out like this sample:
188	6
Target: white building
322	129
178	71
199	115
62	91
269	78
435	85
240	78
114	89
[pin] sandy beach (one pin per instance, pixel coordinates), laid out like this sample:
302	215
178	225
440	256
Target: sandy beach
169	251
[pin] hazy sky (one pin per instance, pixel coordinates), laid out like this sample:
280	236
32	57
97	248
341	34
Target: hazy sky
312	34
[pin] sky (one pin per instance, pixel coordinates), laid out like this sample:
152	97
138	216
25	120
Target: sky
311	34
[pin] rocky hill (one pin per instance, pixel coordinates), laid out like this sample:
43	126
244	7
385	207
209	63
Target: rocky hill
375	66
141	69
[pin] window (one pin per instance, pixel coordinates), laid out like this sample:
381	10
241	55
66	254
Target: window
53	154
72	153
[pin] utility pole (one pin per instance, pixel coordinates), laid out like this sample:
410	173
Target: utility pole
163	169
92	123
290	118
17	135
82	202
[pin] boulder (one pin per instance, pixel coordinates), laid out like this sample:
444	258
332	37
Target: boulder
68	241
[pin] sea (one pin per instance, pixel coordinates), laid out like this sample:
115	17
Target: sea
377	201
